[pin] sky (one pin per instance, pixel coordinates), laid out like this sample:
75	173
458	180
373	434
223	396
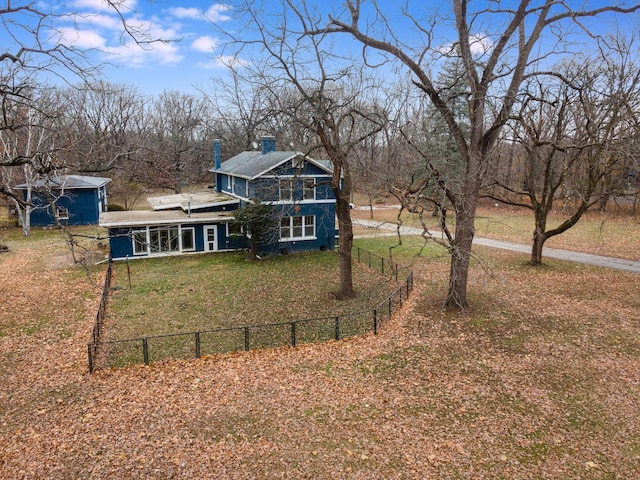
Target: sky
192	55
187	60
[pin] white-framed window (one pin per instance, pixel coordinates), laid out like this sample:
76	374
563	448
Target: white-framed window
301	227
188	239
62	213
163	239
286	189
140	242
234	228
308	189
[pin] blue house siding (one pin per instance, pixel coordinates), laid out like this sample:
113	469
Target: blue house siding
121	239
120	242
80	206
67	200
323	238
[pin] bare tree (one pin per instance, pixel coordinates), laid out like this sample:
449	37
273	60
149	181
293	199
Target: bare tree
316	90
35	54
174	151
499	48
236	111
570	139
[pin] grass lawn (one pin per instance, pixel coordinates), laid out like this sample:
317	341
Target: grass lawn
178	295
184	294
611	234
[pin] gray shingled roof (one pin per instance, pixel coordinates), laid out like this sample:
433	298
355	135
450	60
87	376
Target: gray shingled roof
68	182
251	165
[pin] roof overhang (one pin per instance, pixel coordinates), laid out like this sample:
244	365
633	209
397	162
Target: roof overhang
140	218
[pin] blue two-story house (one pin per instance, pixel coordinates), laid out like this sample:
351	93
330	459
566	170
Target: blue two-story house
297	188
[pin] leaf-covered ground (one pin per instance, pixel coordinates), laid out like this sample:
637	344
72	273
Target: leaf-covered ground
539	380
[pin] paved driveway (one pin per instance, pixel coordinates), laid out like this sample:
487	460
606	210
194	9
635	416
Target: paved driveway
585	258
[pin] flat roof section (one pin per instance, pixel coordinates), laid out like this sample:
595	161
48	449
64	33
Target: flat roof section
135	218
186	201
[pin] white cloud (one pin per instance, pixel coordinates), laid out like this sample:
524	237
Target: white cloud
83	39
100	21
222	61
205	44
133	55
216	12
181	12
480	43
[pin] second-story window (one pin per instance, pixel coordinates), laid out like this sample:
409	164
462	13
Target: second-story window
308	189
286	190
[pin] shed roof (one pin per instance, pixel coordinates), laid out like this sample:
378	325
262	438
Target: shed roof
68	182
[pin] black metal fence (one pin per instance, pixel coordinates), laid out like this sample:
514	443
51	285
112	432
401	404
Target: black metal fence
249	337
98	324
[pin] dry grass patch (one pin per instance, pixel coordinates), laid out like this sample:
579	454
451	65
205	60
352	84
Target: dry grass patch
611	234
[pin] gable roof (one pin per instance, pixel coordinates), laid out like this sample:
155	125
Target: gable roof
251	165
68	182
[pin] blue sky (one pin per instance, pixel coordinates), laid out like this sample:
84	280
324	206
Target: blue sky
192	57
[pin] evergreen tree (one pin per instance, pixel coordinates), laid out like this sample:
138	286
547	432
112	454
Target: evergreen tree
259	223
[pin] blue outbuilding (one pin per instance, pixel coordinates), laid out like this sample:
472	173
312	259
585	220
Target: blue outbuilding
66	200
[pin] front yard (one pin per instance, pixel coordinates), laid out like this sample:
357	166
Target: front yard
204	292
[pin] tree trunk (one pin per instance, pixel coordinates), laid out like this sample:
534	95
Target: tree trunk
536	250
346	245
539	237
341	186
460	250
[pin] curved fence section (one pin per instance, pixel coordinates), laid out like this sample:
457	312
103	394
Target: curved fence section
151	349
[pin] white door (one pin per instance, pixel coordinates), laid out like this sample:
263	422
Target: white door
210	238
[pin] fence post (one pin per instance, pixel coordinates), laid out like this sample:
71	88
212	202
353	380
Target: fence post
396	271
89	348
293	334
375	322
246	339
391	304
358	249
197	344
145	351
382	265
337	328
